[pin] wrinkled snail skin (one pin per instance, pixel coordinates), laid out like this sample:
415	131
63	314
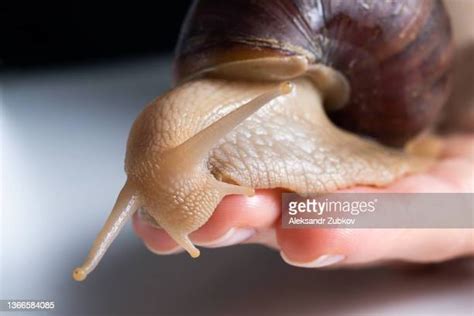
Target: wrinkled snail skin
257	108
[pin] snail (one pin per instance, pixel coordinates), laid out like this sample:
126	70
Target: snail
310	96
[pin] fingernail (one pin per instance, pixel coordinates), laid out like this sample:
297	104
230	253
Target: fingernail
232	237
171	251
322	261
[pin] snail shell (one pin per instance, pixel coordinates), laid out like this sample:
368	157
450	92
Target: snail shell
458	114
396	55
379	67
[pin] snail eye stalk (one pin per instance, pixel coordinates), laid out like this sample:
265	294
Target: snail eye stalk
127	203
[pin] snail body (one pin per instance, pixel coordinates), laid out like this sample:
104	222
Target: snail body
273	94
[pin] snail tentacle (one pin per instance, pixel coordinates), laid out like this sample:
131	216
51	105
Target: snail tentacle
198	146
127	203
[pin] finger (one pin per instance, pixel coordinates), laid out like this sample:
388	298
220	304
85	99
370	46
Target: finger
323	247
236	219
156	240
314	248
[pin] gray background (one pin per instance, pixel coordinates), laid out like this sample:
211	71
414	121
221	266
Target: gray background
63	135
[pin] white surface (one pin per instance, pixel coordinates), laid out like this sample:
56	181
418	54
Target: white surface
63	136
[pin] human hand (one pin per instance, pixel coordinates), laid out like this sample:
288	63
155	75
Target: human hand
241	219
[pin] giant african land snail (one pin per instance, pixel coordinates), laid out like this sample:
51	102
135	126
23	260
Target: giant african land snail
293	94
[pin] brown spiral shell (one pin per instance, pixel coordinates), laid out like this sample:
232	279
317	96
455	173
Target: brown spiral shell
395	54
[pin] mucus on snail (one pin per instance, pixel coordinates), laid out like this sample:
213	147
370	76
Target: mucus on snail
306	95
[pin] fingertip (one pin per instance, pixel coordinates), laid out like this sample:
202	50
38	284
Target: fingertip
161	251
258	212
156	240
306	245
